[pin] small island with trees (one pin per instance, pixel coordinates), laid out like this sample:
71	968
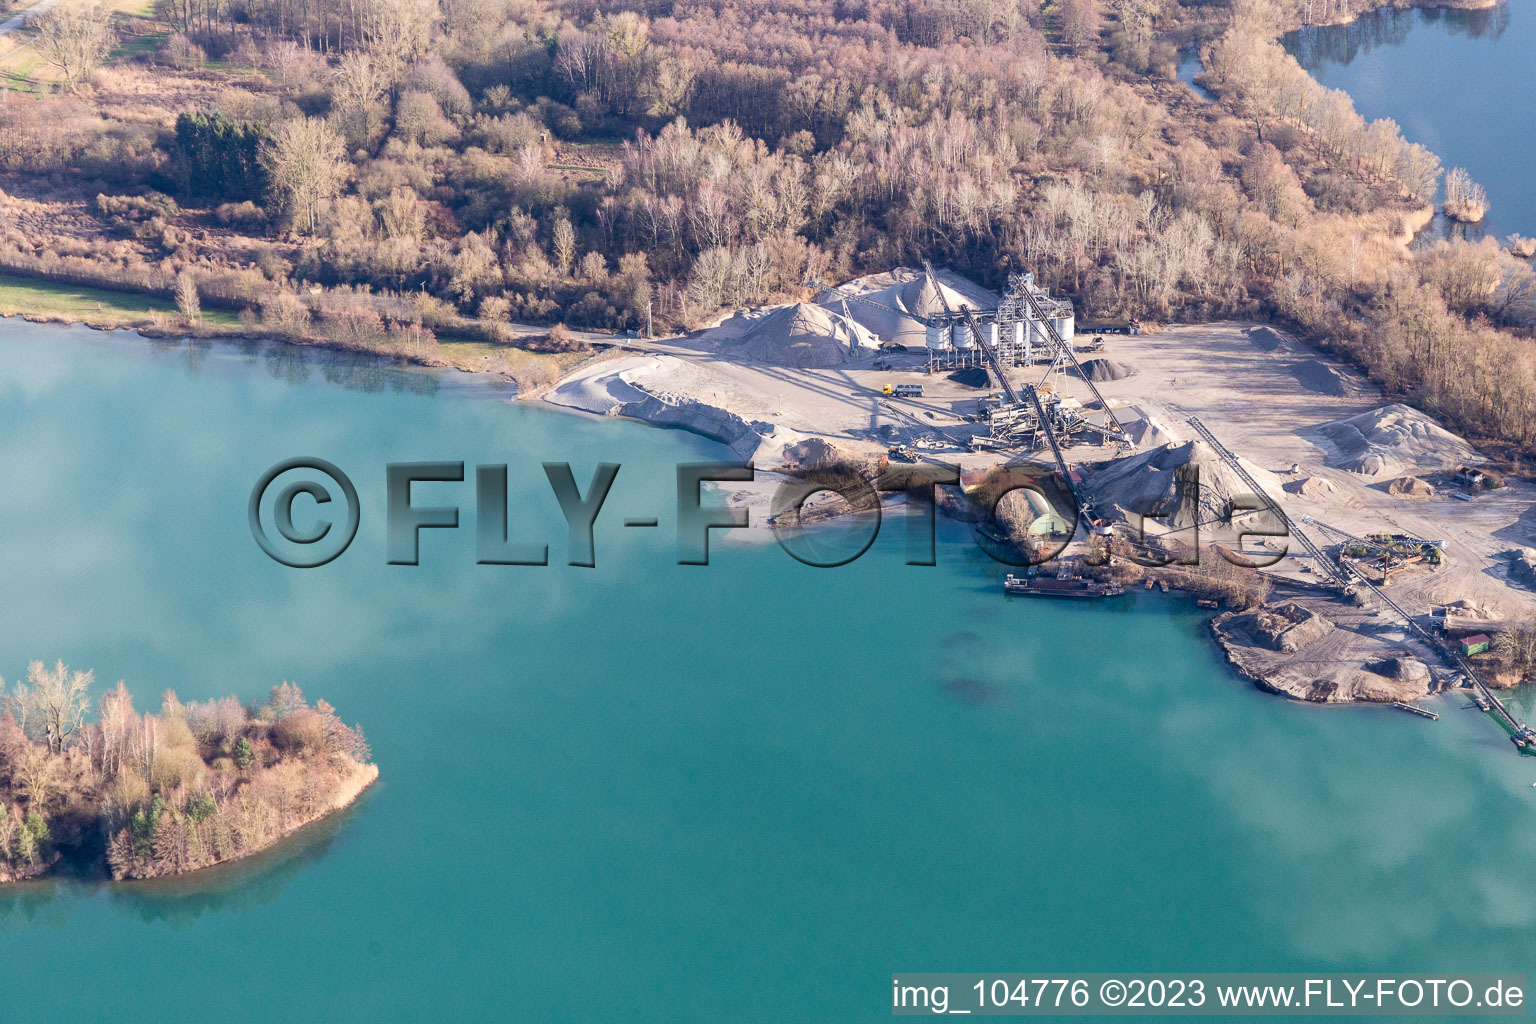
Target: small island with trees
144	794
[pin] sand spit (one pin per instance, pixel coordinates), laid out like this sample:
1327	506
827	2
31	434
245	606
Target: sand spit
646	388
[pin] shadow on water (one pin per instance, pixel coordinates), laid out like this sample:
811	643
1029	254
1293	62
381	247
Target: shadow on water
238	885
296	365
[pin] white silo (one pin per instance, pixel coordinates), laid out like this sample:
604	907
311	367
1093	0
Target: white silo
940	338
1023	341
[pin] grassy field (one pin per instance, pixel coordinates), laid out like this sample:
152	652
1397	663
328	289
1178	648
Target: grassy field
24	69
96	306
20	296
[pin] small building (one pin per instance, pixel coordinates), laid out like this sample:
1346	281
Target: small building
1470	477
1475	644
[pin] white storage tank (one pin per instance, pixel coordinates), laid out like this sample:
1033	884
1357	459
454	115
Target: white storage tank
1023	339
964	339
939	338
1063	325
989	332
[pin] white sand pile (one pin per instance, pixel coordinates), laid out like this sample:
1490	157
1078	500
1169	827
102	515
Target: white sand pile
805	336
1151	484
1392	440
1100	370
1316	375
1144	429
1311	487
1412	488
903	295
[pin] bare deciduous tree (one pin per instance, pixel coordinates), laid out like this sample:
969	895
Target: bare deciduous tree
52	701
75	38
305	164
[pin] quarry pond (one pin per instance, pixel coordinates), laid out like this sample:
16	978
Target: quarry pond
614	772
1456	81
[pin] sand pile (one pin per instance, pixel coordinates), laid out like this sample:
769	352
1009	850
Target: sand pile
805	336
1267	338
1393	439
1316	375
902	296
1289	627
1144	429
1411	487
1311	487
1522	567
1100	370
1175	482
817	453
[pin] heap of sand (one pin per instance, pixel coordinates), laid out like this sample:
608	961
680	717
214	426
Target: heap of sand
1393	440
817	453
1411	487
972	377
1267	338
1311	487
1173	482
1101	370
805	336
895	303
1144	429
1317	375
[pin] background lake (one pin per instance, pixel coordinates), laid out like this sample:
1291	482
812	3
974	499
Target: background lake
1459	82
650	792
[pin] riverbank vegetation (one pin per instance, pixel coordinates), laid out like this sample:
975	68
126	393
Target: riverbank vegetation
383	173
159	793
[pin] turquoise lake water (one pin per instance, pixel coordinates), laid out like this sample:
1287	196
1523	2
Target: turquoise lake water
1459	82
650	792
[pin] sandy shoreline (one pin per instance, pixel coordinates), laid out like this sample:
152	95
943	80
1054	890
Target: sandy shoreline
1320	438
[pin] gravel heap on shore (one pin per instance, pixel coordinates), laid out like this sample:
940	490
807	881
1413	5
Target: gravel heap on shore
1173	481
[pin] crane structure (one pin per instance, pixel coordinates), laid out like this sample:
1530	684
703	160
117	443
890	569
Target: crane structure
1390	555
1335	572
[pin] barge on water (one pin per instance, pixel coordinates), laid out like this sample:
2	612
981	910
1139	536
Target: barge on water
1059	586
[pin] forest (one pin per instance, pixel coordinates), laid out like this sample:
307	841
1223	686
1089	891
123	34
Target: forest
388	174
144	794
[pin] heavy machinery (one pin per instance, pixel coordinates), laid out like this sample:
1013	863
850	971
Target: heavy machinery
1387	554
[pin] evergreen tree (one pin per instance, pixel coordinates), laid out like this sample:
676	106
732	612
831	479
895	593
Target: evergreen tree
218	157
